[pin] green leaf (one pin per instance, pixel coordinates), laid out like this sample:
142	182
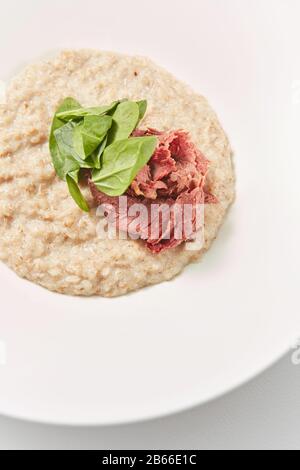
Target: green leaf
90	134
121	162
75	175
66	162
76	194
70	160
143	105
125	120
95	158
79	138
57	158
80	113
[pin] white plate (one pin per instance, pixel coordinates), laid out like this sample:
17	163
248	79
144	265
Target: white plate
176	345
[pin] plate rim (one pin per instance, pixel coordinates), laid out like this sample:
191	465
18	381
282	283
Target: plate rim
144	418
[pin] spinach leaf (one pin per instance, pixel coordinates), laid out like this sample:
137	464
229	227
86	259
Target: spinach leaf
125	120
75	175
57	158
89	134
99	138
121	162
76	194
95	158
142	109
64	141
79	113
70	159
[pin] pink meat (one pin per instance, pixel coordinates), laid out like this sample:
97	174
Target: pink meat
175	176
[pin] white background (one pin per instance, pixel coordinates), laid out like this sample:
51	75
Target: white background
264	414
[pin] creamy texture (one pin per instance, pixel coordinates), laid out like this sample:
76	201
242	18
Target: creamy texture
44	236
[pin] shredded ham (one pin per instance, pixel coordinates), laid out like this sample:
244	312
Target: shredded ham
175	176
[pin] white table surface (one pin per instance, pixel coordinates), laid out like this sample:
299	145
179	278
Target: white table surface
263	414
